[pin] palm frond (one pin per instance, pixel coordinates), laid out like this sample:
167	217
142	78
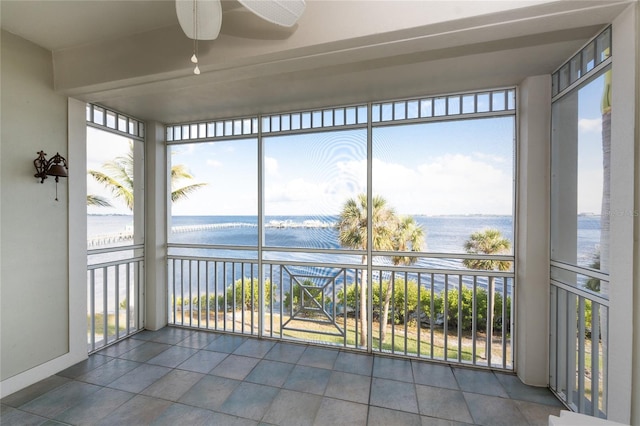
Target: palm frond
183	192
97	201
117	188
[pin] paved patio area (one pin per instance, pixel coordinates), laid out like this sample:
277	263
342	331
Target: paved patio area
183	377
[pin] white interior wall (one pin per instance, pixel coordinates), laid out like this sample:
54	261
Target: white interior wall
35	298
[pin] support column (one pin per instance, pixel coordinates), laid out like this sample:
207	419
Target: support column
532	250
156	209
624	255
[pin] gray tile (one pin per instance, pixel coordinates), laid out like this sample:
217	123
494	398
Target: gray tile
249	400
145	335
210	392
425	373
108	372
121	347
272	373
235	367
59	399
379	416
13	417
394	369
91	363
394	395
493	411
139	378
226	343
285	352
318	357
198	340
139	410
336	412
229	420
537	414
354	363
254	348
170	335
16	399
145	352
53	423
94	407
349	387
173	385
203	361
308	379
173	356
442	403
179	414
518	390
484	382
293	408
433	421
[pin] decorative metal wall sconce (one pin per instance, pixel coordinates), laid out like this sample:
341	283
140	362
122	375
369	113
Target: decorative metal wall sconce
55	166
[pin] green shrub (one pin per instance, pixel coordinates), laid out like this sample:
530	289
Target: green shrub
246	294
311	291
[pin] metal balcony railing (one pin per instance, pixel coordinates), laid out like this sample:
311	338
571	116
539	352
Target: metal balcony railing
578	347
435	313
115	278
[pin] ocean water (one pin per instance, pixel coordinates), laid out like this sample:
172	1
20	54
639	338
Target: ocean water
443	234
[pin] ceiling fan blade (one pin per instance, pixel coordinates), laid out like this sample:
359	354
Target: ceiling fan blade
281	12
244	24
208	14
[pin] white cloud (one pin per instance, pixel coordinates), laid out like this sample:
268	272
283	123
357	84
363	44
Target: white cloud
590	125
271	166
296	190
214	163
449	184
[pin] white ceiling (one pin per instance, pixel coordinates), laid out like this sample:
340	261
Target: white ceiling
131	55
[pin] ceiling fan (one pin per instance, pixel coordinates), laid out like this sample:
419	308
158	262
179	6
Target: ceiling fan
202	19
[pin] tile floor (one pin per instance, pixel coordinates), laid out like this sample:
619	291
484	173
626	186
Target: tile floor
182	377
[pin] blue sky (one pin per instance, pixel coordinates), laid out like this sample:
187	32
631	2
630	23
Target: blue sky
590	147
461	167
443	168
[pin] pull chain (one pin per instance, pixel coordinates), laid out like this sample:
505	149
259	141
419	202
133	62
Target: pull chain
194	58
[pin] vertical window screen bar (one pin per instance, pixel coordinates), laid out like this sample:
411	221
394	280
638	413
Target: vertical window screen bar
504	325
116	301
459	318
432	320
446	315
581	354
419	314
474	313
92	307
128	299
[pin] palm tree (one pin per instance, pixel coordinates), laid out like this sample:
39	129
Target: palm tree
605	109
97	201
352	228
408	236
489	241
118	177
